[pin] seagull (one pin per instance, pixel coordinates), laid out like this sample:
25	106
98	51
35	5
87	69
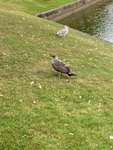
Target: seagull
60	66
63	32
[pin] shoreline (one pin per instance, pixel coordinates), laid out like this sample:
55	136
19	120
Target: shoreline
66	10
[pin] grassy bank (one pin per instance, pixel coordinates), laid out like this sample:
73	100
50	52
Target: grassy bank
66	113
32	6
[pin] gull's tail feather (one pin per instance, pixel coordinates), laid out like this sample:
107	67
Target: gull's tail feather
71	74
57	34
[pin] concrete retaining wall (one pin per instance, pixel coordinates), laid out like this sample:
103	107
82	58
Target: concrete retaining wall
64	11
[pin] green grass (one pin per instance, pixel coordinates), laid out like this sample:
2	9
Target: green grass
70	113
32	6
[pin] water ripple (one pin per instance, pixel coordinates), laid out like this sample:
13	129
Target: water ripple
96	20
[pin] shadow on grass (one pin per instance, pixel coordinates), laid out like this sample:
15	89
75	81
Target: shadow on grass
52	75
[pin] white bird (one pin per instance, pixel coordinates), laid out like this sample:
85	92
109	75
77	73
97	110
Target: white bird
63	32
60	66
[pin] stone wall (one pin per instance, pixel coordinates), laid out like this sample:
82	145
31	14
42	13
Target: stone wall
61	12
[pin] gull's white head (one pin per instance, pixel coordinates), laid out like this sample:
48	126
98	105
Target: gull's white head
55	56
66	27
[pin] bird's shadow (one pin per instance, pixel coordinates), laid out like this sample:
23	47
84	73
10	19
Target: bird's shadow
56	36
50	74
60	76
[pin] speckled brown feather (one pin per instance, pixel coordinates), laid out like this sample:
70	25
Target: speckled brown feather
60	66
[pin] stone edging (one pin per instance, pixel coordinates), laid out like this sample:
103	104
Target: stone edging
61	12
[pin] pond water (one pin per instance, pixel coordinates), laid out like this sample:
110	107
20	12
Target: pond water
96	20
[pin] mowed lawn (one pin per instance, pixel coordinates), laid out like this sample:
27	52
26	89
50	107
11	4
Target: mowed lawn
42	111
33	6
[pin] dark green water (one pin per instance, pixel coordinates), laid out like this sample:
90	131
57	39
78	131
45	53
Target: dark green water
96	20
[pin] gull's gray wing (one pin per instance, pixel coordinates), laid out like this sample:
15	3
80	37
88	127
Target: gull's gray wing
60	66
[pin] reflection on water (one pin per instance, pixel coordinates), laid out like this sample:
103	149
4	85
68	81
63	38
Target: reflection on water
96	20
